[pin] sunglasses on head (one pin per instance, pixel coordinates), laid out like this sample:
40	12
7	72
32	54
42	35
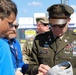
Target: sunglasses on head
56	25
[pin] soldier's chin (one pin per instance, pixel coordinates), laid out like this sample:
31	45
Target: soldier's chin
12	36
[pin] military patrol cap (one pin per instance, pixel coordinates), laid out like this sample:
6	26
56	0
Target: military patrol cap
58	13
44	20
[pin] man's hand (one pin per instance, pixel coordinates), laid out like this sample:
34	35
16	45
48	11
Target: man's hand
18	72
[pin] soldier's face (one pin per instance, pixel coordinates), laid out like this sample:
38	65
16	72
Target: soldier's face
60	30
41	28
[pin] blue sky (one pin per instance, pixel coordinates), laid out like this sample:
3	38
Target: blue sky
27	8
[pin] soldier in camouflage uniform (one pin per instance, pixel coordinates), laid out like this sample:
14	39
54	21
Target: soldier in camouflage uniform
42	26
46	51
27	47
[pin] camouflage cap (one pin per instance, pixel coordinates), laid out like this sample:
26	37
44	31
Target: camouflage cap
44	20
60	11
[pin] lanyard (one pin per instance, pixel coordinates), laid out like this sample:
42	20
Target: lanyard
15	53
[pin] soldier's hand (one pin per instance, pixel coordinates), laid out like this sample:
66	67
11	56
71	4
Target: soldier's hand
40	73
43	68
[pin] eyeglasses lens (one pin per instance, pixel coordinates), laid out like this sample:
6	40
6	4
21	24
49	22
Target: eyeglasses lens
13	25
60	26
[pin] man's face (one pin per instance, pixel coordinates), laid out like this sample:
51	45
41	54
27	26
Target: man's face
4	24
11	33
41	28
59	30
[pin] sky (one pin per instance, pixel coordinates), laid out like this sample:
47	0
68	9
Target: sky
27	8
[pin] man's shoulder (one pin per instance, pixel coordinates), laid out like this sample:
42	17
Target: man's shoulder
31	38
44	34
3	43
72	32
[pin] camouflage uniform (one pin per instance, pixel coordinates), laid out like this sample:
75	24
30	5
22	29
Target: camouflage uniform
26	51
28	44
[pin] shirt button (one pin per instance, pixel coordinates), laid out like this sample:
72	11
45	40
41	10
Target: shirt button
70	57
56	59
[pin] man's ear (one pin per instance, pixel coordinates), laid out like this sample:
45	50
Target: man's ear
0	19
69	19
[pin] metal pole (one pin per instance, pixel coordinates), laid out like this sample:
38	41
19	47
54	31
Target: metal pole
61	1
64	2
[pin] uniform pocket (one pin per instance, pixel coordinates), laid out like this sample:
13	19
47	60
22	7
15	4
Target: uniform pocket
67	55
44	57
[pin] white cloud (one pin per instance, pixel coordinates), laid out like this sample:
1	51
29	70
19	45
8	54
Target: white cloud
73	18
25	10
74	7
35	3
